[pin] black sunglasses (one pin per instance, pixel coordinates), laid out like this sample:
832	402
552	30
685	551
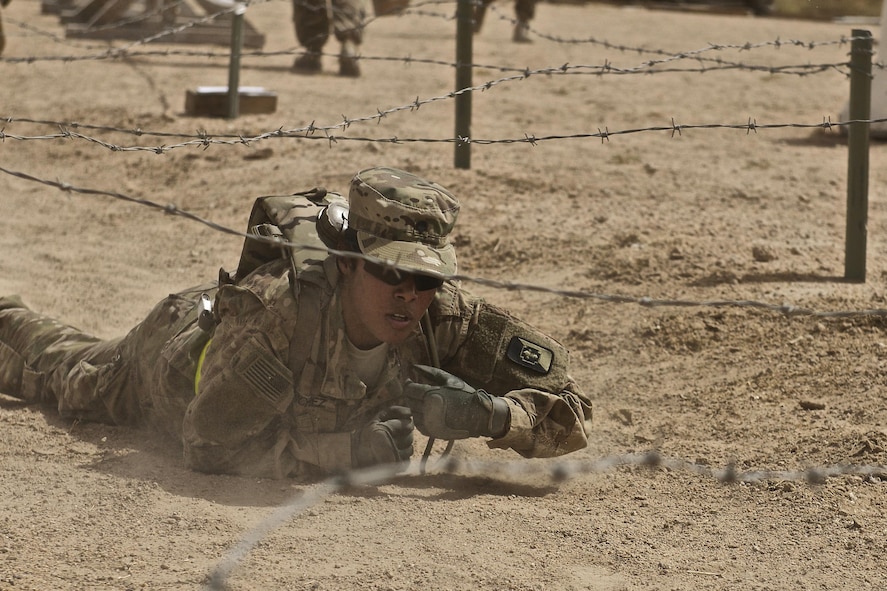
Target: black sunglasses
394	277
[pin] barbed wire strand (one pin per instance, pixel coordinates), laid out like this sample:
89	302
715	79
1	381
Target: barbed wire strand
416	10
204	139
171	209
706	65
555	472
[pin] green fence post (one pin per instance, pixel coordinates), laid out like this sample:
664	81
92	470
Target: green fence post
858	155
464	59
234	64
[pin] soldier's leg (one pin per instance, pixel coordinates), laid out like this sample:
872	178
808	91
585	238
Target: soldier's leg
121	381
312	25
43	360
163	351
524	10
480	12
349	17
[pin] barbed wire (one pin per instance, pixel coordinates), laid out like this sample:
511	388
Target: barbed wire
555	472
707	65
146	15
416	9
644	301
650	66
205	140
777	43
49	35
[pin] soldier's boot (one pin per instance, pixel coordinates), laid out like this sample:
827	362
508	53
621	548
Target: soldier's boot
307	63
348	63
521	32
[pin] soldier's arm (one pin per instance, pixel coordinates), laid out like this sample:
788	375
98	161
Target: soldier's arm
234	423
493	350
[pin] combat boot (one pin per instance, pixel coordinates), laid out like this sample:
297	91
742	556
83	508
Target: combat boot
307	63
348	64
521	32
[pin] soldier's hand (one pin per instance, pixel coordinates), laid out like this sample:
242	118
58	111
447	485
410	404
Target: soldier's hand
4	3
448	408
387	439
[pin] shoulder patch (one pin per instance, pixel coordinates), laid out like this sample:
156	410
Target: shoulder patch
265	376
530	355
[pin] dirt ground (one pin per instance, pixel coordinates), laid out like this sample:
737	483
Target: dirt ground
705	215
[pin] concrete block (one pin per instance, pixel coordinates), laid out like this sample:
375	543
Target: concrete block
212	101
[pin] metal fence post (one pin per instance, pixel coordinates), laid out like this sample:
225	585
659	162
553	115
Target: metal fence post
464	59
858	155
234	64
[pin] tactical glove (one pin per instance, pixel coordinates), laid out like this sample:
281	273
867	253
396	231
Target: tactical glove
387	439
4	3
448	408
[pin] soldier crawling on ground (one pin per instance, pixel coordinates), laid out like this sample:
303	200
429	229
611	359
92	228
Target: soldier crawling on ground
306	362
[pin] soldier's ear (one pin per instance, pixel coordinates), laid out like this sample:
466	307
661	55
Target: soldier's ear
347	265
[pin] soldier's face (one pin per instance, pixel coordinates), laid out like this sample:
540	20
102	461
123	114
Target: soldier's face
377	312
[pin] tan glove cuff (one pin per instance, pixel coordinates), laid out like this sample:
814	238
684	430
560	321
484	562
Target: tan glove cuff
519	426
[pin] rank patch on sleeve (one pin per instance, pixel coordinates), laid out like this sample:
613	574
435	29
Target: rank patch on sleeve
530	355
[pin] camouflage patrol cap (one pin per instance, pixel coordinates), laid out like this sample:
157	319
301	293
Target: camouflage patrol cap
404	219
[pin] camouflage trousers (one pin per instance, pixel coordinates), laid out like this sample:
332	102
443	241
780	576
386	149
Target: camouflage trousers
524	10
314	18
123	381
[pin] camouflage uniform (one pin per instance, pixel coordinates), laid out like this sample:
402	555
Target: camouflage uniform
275	391
251	414
524	11
121	381
312	22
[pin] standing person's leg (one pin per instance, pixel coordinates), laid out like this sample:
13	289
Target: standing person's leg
524	10
480	11
312	24
349	17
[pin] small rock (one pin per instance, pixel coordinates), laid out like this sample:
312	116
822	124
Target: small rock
763	254
812	405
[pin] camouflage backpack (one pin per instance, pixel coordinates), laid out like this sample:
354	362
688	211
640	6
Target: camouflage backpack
311	219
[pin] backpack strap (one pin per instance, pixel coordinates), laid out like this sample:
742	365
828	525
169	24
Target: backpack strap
312	300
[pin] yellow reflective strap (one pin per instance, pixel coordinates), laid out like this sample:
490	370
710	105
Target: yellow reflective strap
200	365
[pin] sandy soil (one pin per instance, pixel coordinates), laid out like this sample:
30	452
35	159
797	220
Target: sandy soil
700	216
